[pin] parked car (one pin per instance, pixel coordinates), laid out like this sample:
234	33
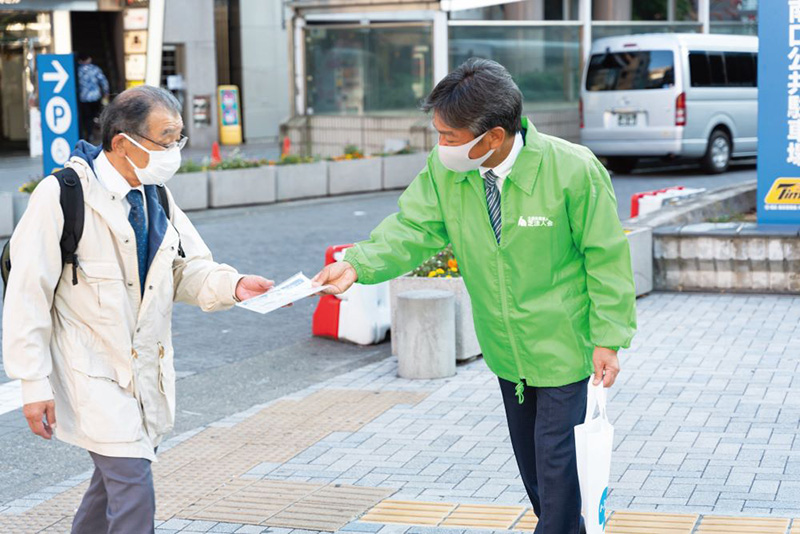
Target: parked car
671	96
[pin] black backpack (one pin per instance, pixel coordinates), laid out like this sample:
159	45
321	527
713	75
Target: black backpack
73	209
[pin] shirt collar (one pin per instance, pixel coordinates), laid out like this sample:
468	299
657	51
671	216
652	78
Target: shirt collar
110	178
504	168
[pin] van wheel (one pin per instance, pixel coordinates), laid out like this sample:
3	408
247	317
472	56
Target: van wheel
622	165
718	153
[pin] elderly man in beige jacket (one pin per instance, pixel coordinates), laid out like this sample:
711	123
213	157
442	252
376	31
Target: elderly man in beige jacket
93	347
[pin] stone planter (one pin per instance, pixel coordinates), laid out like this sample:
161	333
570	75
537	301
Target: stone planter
190	190
304	180
20	201
241	187
6	214
466	340
354	176
400	171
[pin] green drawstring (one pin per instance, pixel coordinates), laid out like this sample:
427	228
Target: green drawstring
520	391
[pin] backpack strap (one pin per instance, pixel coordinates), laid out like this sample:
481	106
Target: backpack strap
73	209
163	199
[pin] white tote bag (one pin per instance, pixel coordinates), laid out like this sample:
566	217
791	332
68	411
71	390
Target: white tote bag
594	440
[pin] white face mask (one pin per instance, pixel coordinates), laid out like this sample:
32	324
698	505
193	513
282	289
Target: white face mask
162	166
456	158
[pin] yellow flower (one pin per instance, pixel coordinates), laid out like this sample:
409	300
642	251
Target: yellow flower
432	274
440	271
448	276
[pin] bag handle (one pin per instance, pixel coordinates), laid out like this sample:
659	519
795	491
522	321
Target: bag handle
596	398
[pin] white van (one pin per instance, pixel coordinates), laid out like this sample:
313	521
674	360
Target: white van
671	95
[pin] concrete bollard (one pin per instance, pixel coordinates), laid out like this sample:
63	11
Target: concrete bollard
426	334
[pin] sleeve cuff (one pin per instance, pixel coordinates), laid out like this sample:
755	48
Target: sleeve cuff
350	258
36	391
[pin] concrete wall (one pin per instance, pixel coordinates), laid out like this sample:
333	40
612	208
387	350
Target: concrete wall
265	69
191	23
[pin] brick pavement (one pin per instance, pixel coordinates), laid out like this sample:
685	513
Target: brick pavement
704	414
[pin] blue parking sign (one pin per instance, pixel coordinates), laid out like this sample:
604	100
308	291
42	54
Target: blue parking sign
58	102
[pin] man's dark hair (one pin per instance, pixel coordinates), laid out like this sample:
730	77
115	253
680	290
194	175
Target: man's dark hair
129	112
479	95
83	56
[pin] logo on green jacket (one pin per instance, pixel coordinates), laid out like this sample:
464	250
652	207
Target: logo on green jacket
534	221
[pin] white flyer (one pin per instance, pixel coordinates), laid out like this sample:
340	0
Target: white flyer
295	288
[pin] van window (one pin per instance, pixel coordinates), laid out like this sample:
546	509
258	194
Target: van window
723	69
624	71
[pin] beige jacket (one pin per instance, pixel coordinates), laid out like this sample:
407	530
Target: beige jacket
99	348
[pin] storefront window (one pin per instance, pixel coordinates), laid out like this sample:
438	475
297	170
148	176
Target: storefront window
374	69
734	16
522	10
658	10
544	61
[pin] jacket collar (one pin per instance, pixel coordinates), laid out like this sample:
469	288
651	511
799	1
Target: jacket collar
526	167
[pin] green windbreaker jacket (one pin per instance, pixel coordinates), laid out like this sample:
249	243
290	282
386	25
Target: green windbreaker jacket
558	284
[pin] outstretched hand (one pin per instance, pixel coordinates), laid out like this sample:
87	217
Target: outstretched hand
252	286
339	276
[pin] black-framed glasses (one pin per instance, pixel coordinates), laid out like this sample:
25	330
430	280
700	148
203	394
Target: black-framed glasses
179	144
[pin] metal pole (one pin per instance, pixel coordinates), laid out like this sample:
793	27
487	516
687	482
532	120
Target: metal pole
440	46
585	16
704	13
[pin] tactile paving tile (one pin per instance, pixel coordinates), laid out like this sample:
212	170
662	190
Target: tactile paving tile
187	475
409	512
527	522
483	516
744	525
795	526
626	522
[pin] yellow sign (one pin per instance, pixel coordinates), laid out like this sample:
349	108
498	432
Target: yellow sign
784	191
133	83
230	117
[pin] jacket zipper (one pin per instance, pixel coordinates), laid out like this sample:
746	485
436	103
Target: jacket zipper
520	388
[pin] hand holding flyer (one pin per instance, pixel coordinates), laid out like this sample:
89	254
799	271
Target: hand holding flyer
295	288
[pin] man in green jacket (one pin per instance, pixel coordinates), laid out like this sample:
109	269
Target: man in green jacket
534	226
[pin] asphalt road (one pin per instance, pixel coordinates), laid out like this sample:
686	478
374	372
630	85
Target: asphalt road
227	362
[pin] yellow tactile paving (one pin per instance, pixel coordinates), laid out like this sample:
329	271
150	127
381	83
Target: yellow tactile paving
626	522
795	526
409	512
528	522
745	525
483	516
205	469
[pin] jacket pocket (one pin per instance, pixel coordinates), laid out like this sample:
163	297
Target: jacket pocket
107	412
107	286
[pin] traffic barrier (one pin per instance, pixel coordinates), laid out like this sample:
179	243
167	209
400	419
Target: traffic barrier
360	315
650	201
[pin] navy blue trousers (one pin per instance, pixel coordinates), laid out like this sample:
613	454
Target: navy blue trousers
543	438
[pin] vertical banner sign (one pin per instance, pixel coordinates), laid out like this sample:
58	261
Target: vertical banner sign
230	123
779	112
59	104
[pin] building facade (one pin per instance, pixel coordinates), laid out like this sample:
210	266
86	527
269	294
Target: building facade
360	67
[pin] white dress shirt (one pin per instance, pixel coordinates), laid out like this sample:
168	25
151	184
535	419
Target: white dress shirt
115	183
504	168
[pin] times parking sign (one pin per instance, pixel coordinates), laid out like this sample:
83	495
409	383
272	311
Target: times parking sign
58	103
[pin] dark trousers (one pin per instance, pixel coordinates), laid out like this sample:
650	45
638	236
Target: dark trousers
88	113
543	438
120	499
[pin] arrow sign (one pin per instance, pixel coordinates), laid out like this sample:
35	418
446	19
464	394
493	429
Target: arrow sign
59	76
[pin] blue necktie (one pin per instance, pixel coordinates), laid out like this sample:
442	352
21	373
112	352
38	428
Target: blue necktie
138	221
493	202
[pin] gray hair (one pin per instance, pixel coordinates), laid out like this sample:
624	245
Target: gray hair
479	95
130	110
